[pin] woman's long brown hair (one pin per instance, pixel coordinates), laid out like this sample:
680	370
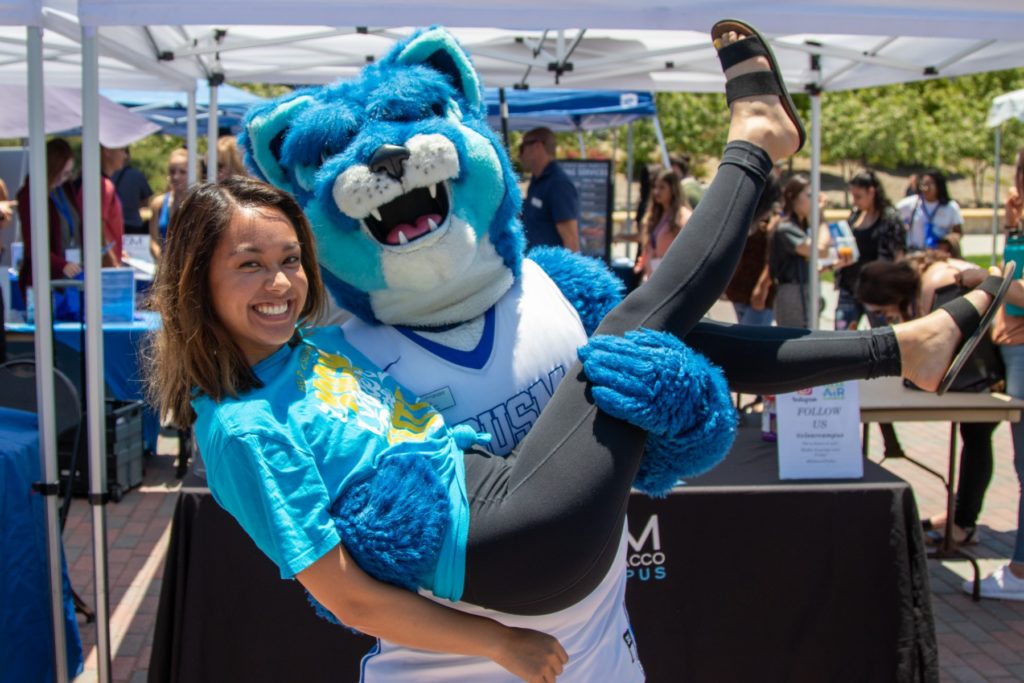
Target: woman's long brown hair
192	351
655	212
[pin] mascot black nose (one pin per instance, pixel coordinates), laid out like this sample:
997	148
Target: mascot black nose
389	158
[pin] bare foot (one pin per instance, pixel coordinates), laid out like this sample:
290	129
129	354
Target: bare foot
762	119
927	344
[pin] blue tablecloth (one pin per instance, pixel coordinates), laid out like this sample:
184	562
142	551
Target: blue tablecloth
26	635
122	343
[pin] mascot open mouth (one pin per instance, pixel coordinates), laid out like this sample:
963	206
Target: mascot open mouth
410	216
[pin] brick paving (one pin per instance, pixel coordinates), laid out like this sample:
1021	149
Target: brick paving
977	641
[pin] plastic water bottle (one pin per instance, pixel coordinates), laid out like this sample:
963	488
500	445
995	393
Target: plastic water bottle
769	424
30	306
1014	251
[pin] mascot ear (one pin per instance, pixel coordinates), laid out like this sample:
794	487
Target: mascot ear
263	136
439	50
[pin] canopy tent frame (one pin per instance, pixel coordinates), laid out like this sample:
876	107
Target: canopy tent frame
984	19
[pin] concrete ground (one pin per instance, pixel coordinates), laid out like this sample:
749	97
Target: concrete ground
977	641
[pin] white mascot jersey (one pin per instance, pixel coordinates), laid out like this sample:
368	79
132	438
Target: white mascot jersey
500	387
529	342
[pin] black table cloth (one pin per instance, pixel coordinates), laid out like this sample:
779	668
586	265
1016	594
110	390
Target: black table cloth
736	576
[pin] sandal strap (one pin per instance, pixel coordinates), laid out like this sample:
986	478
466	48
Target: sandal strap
990	285
749	47
964	314
752	84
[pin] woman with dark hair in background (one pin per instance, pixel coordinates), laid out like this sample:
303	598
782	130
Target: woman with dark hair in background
880	236
64	221
790	254
897	292
930	214
666	216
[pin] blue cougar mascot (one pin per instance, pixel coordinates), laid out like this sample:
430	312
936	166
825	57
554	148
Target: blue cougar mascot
414	204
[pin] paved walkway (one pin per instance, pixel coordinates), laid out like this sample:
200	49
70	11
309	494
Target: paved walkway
977	641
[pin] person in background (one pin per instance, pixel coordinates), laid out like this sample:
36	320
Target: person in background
666	216
551	210
163	207
950	245
1007	582
134	191
111	160
229	159
930	215
880	235
897	292
64	220
751	290
6	216
692	188
790	253
911	189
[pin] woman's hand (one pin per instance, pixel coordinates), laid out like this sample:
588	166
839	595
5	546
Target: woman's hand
759	297
531	655
71	270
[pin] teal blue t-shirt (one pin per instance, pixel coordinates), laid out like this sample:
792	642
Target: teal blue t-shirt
278	456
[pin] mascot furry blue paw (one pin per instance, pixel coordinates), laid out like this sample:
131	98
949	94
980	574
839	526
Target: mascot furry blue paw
414	204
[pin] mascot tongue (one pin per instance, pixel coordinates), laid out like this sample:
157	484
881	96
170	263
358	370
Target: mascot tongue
412	231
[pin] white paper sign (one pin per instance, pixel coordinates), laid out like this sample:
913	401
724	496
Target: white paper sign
819	433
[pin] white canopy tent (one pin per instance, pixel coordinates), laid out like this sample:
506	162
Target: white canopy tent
644	44
640	45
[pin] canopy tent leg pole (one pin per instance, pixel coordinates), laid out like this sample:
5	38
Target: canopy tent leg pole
503	113
814	293
45	393
92	238
212	131
192	138
629	179
995	192
661	142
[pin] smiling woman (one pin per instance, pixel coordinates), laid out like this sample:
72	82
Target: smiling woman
258	251
259	284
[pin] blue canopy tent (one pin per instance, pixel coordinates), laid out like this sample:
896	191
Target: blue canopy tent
569	110
169	109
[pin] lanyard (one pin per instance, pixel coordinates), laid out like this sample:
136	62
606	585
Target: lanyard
930	238
60	200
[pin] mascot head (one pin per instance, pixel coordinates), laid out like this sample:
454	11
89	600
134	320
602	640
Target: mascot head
411	196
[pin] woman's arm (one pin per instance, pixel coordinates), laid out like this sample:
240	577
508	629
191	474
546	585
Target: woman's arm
154	227
395	614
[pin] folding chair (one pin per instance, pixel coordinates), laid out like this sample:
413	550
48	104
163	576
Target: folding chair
18	377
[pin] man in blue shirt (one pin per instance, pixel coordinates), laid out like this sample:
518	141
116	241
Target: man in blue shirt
551	209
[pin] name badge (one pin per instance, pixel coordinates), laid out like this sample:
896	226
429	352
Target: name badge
537	201
74	255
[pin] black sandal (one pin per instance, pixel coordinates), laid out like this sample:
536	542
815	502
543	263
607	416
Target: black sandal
973	325
755	83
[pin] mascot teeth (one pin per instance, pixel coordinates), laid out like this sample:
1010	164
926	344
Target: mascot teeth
409	217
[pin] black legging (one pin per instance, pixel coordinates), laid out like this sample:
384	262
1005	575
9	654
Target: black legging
545	522
975	471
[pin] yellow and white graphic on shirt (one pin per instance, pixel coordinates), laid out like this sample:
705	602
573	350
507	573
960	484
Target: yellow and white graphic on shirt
371	399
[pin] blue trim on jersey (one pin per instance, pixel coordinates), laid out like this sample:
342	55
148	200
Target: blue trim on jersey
374	651
475	359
